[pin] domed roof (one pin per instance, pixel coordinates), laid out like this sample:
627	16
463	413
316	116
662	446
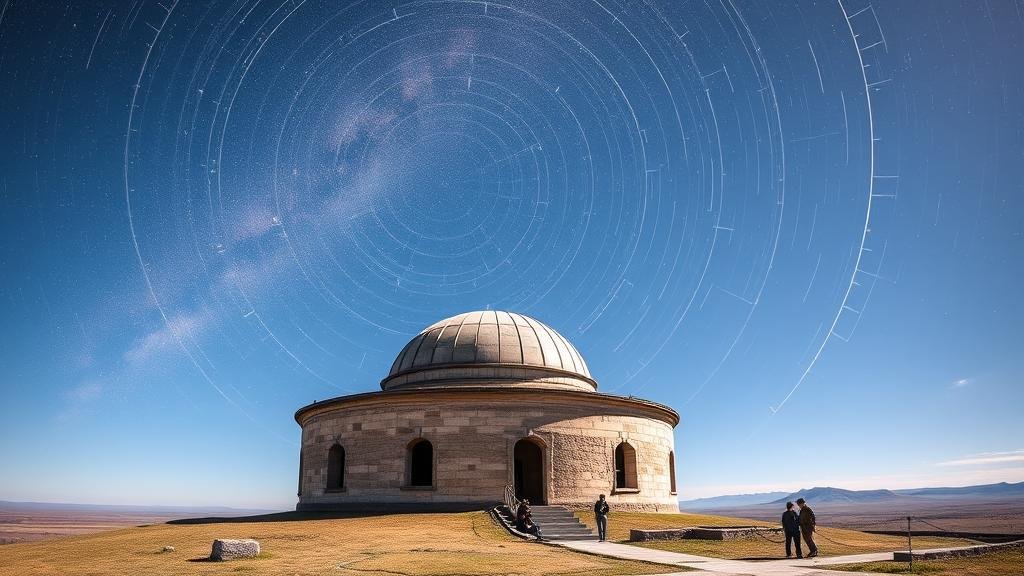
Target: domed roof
489	345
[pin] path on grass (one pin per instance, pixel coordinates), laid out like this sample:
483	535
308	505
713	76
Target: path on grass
721	567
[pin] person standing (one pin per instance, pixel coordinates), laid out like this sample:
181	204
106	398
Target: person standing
601	515
807	522
791	527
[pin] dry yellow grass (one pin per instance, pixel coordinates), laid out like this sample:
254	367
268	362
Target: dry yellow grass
830	541
1004	563
413	544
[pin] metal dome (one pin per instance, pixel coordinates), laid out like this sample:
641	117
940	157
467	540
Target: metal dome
510	346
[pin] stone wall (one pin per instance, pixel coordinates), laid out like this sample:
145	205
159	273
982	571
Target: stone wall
473	436
703	533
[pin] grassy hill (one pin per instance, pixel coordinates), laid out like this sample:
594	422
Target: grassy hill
410	544
404	544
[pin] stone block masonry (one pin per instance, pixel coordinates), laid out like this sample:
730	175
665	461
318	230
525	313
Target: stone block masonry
473	433
702	533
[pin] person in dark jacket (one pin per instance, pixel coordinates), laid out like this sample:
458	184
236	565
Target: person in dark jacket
524	520
807	523
522	511
601	515
791	526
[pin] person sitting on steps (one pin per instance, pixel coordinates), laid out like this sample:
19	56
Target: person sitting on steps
524	520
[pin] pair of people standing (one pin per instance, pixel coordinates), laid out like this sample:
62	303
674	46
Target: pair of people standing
796	524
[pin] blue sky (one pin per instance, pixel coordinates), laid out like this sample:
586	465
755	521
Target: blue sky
801	225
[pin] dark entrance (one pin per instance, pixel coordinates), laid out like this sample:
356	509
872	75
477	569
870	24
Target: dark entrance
529	471
421	464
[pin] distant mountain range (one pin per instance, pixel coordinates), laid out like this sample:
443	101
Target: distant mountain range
997	490
734	500
830	495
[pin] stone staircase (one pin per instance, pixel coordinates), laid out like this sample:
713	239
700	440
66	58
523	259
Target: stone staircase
556	523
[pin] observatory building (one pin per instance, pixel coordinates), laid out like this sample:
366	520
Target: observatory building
477	404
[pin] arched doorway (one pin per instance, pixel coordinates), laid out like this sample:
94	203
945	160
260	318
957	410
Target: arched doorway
625	466
528	458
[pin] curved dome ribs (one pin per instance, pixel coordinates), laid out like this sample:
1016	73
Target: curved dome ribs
489	339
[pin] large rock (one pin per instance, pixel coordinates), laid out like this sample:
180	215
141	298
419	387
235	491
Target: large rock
228	549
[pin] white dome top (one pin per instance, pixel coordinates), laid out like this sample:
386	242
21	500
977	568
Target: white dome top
488	338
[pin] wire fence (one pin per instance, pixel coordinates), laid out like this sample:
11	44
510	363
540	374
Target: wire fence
818	534
762	535
901	521
927	523
888	522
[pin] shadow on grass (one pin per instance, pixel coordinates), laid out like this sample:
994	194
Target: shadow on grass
273	517
295	516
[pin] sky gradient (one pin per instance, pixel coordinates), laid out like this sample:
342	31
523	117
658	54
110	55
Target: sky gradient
799	224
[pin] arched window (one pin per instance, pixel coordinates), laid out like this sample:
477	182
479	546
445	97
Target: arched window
336	468
625	466
421	463
672	470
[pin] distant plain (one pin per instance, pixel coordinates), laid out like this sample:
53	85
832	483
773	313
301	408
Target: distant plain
997	515
33	522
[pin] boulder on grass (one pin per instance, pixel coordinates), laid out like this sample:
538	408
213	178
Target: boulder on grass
229	549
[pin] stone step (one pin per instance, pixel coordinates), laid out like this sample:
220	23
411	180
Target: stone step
567	521
554	520
572	521
569	536
565	514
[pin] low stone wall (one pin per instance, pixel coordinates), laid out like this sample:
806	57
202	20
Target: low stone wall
702	533
904	556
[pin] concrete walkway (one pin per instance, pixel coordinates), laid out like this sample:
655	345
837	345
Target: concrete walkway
720	567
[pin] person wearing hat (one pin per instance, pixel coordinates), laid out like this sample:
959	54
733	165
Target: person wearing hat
791	527
807	527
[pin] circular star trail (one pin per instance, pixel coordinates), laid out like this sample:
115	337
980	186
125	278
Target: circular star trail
309	183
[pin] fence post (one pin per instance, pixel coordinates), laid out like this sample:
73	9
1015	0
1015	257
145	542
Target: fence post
910	547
